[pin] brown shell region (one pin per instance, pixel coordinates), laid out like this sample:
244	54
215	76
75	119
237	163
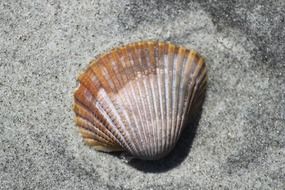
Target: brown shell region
137	97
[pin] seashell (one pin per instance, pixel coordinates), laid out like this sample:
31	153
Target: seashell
137	97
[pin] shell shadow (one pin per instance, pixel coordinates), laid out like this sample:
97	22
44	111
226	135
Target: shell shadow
177	155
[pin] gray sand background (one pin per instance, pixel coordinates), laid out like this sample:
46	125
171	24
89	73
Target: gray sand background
240	138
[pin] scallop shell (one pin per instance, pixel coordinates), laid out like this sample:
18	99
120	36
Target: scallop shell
137	97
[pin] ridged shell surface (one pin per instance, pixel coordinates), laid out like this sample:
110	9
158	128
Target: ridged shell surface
137	97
